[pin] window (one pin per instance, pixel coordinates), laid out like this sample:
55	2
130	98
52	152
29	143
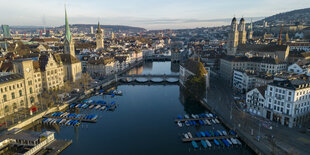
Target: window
30	90
31	99
6	109
4	98
6	89
1	90
13	95
10	87
22	103
30	82
20	93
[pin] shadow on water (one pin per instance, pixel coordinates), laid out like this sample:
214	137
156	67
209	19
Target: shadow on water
191	105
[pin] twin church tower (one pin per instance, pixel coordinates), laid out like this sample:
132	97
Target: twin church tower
237	35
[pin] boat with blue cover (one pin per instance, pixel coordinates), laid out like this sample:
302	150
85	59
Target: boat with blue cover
216	142
204	144
180	117
202	134
195	146
200	122
225	142
207	134
198	134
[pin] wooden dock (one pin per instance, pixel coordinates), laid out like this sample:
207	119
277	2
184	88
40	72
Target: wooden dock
193	119
207	138
70	118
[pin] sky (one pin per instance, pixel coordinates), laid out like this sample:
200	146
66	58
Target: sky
149	14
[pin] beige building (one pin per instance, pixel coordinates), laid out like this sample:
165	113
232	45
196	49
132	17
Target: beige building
102	66
261	64
13	96
260	50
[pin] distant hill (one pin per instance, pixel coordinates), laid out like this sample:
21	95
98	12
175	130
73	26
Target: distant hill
301	16
114	28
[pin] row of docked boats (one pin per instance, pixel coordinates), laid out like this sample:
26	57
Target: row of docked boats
102	106
197	116
68	122
74	116
198	122
217	142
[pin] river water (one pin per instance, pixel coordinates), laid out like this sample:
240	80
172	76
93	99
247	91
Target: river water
143	122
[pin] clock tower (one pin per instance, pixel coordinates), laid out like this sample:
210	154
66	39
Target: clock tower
25	68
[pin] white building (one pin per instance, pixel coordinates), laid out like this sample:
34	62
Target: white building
300	67
288	101
244	80
255	100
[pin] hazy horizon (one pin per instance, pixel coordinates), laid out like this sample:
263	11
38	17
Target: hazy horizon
160	14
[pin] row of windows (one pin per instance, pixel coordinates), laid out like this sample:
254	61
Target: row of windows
5	89
5	98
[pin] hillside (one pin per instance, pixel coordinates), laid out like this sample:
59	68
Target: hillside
301	16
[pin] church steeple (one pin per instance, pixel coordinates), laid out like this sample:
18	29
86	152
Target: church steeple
68	33
68	41
99	37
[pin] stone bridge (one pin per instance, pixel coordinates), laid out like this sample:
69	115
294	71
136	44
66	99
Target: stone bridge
156	78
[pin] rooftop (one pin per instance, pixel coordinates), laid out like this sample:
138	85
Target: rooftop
10	77
261	47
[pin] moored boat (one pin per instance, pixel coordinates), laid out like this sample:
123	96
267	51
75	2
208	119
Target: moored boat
208	143
204	144
195	146
179	124
189	135
186	136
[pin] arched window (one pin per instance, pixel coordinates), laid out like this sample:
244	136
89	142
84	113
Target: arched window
6	109
20	93
22	103
14	106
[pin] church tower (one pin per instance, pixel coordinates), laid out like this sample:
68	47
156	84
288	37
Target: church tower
233	38
68	42
242	31
99	37
251	31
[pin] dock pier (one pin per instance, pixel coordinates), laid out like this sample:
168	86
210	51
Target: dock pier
69	118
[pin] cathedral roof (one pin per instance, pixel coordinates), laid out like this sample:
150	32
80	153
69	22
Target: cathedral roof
102	60
261	47
65	59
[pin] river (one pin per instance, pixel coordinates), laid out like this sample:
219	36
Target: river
143	122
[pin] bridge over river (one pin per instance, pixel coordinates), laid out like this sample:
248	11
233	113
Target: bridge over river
147	78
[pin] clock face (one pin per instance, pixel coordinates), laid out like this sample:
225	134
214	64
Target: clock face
28	69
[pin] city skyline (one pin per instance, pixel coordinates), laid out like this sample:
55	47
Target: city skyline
149	15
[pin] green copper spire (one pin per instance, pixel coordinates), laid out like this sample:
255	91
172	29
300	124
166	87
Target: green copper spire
68	33
98	29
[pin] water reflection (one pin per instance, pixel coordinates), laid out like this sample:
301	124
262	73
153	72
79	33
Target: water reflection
175	67
190	105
